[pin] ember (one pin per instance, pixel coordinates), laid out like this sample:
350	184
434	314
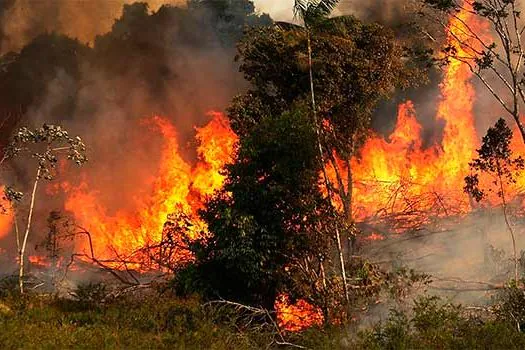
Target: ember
297	316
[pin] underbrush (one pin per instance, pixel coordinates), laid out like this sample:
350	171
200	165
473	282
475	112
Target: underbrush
434	324
145	322
161	321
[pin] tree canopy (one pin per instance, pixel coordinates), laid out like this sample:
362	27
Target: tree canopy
354	66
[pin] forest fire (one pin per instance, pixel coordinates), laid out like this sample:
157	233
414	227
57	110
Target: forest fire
394	173
298	316
177	186
390	176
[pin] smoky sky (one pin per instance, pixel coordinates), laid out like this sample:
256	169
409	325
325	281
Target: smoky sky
174	62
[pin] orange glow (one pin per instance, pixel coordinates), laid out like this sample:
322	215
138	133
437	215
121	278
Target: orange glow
298	316
394	173
6	215
178	186
375	237
38	261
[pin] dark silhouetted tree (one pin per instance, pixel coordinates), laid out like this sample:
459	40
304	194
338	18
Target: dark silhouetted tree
495	159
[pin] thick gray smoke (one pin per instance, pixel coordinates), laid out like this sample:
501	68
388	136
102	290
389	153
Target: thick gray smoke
175	62
22	20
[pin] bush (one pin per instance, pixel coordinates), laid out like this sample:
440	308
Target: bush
89	295
9	287
434	324
511	307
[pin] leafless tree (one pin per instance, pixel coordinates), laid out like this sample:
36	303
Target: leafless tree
46	145
495	54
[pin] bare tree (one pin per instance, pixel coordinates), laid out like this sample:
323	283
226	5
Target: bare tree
495	54
46	145
495	159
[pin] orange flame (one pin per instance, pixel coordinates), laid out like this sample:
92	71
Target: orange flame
393	171
6	215
37	260
297	316
178	186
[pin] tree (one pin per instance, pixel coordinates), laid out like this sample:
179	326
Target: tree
309	12
347	68
497	60
25	78
45	145
495	158
269	215
355	65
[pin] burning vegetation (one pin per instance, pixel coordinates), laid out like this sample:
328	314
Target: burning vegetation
268	195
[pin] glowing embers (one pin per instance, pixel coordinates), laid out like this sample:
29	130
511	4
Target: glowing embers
297	316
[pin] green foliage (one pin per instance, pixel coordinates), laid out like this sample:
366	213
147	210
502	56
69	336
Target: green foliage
433	324
90	294
9	287
511	306
355	65
313	10
269	214
443	5
155	322
164	322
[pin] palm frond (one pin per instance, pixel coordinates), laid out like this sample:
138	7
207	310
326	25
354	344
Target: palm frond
325	7
309	10
300	8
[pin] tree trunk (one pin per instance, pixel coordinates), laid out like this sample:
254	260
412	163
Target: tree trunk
511	231
26	235
521	127
349	191
17	233
349	215
327	182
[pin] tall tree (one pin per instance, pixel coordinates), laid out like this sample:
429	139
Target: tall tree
340	66
311	11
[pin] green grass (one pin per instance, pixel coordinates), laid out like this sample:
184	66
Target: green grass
39	322
165	322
